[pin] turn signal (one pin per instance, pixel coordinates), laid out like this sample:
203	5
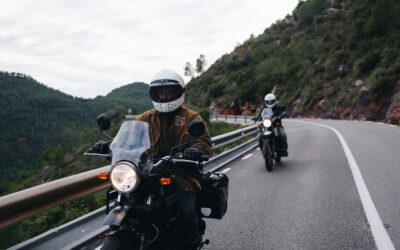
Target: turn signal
103	176
165	181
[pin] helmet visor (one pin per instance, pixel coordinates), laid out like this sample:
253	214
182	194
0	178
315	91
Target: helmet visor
270	102
163	94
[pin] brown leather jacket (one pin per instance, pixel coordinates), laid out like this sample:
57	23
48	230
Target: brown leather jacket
170	129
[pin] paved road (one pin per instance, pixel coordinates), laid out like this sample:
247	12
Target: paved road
310	201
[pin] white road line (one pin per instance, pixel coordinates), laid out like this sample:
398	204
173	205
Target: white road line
258	149
247	156
391	125
98	248
226	170
381	237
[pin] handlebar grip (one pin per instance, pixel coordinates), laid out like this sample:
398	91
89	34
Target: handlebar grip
205	157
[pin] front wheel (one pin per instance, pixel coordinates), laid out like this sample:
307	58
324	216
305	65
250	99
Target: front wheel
119	241
267	156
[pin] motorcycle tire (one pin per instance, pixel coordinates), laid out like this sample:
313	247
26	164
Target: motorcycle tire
269	163
119	241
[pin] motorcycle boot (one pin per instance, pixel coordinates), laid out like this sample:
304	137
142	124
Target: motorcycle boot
260	144
191	245
283	145
202	226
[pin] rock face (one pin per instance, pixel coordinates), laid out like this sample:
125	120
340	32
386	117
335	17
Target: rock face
393	112
353	103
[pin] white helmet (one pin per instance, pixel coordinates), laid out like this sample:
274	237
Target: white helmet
167	90
270	100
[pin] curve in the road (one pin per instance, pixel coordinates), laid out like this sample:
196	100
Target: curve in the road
379	232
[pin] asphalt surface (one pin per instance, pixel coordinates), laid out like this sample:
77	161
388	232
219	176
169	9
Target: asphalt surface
310	200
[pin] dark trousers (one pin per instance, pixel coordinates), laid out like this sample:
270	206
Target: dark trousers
188	217
281	139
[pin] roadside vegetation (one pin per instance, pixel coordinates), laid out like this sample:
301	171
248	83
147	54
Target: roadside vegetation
334	58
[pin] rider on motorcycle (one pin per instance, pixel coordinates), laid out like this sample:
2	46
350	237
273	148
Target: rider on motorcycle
168	123
271	110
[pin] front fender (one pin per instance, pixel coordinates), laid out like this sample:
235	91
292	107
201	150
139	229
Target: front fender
266	133
115	217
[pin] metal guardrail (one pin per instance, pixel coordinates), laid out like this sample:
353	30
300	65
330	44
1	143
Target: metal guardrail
232	118
89	227
20	205
84	230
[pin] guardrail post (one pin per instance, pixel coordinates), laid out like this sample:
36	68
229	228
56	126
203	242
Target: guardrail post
235	118
226	118
245	119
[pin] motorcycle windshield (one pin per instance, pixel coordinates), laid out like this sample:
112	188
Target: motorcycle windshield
267	113
131	142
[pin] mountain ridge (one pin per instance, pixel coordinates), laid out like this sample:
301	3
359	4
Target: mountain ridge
38	121
334	59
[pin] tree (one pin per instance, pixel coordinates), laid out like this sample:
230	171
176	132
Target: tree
200	64
309	9
188	70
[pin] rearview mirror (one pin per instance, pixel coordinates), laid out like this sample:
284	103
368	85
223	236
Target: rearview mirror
196	128
103	121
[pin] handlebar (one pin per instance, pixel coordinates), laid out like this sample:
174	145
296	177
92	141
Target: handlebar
205	157
180	160
96	154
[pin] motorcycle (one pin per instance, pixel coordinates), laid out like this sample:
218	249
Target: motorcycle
145	213
269	140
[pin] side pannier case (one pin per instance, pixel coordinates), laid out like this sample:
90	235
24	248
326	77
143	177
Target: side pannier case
214	197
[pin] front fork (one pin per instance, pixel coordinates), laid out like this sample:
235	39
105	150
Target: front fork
118	218
267	136
144	224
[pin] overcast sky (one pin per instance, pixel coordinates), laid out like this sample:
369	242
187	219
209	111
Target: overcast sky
87	48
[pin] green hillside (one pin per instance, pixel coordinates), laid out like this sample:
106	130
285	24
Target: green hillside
333	59
39	125
134	96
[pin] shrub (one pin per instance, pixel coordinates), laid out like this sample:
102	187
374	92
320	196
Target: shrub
257	54
384	15
381	83
367	63
311	8
334	87
219	128
217	90
205	114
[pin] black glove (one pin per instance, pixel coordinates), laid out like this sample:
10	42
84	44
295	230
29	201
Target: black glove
100	147
193	154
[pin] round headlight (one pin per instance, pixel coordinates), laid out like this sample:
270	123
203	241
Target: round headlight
124	177
267	123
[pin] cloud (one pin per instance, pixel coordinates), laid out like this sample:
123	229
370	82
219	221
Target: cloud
89	47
